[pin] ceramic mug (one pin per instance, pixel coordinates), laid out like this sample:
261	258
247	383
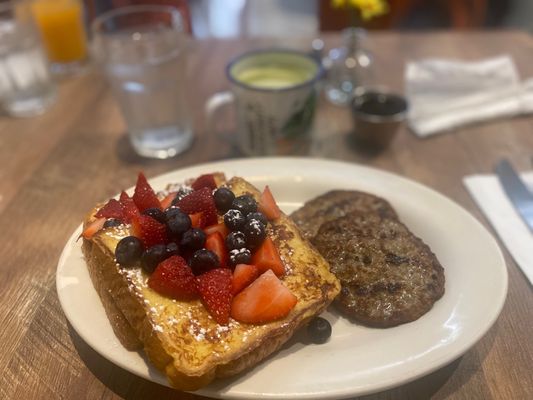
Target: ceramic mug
275	94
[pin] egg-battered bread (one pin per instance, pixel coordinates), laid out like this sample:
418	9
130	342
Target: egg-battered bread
180	337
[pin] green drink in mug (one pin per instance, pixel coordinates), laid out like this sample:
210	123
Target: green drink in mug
275	93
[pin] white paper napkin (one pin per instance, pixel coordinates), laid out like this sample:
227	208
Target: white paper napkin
446	94
512	230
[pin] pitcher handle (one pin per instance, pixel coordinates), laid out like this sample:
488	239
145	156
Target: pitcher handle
214	103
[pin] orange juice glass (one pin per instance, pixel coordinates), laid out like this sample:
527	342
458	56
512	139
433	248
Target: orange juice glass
63	32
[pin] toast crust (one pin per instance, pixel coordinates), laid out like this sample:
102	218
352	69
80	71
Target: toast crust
181	338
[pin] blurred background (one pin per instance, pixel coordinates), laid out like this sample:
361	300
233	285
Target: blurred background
249	18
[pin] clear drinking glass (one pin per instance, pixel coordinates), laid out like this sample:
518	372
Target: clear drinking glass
142	52
26	88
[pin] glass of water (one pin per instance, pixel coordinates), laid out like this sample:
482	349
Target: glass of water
142	52
26	88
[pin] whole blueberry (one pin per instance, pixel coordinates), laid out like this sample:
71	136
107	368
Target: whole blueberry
178	224
152	256
223	199
255	232
172	249
258	216
156	214
171	212
245	204
319	330
240	256
128	250
203	260
235	240
234	220
193	239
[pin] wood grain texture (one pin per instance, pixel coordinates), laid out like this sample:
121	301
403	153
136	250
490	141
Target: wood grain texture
55	167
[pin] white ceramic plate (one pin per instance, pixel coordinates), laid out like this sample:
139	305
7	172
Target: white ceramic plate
356	360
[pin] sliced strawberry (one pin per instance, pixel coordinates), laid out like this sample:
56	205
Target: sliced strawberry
149	230
265	300
167	201
93	227
222	228
207	180
144	196
128	206
200	201
197	220
112	209
173	278
215	243
267	205
215	290
267	257
243	275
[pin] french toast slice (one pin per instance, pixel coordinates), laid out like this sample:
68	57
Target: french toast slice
180	337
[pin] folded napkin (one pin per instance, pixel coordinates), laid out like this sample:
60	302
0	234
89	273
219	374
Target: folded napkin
491	198
445	94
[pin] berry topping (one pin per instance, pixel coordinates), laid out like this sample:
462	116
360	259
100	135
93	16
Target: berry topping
234	220
258	216
215	243
153	256
156	214
245	204
268	206
182	192
235	240
93	227
112	209
215	289
144	196
178	223
193	239
168	199
204	260
319	330
198	220
202	181
243	275
222	228
223	199
128	250
265	300
149	230
172	211
240	256
174	278
172	249
267	257
129	207
255	233
200	201
112	222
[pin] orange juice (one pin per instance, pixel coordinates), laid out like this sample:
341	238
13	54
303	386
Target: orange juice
61	25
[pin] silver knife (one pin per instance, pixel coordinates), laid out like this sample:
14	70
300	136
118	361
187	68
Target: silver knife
516	191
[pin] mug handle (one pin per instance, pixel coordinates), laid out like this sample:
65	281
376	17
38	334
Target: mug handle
214	103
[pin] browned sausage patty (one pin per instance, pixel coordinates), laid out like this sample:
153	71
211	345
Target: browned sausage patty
388	275
335	204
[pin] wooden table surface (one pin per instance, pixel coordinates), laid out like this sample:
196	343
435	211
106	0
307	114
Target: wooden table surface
57	166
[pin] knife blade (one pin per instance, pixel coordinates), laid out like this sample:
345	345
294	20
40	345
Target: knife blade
516	191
